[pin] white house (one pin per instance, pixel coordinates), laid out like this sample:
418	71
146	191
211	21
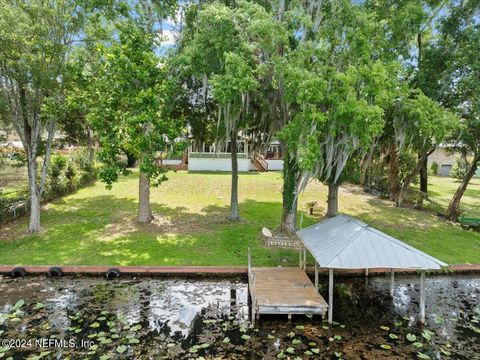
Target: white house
217	157
212	159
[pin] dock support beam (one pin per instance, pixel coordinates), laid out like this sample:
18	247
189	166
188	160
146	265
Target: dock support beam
316	275
422	296
392	279
330	295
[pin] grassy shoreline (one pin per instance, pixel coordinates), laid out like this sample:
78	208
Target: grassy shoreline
95	226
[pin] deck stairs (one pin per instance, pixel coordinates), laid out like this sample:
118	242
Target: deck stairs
260	163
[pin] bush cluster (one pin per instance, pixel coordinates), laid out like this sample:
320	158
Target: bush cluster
67	174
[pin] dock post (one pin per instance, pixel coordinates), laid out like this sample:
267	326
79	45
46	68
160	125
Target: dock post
316	275
392	279
254	301
254	313
304	258
330	295
249	260
422	296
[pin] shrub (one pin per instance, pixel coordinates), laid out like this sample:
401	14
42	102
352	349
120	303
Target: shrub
459	169
86	169
57	165
65	175
12	156
70	176
434	168
311	205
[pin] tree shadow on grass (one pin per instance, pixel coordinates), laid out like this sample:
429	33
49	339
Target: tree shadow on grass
104	230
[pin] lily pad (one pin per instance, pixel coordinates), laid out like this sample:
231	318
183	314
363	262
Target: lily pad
422	356
445	352
18	304
121	349
427	334
386	346
38	306
136	328
411	337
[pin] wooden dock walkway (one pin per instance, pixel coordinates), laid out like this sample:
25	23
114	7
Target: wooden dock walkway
283	291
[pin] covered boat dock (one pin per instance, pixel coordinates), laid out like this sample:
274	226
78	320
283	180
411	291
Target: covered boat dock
343	242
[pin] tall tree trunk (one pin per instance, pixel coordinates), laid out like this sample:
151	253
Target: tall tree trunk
332	201
34	224
234	214
401	196
423	193
423	172
452	211
289	194
424	177
394	173
144	210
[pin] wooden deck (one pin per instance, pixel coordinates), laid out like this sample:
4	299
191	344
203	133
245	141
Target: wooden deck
284	291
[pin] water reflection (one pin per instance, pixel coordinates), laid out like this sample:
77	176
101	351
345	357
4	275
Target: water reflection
173	316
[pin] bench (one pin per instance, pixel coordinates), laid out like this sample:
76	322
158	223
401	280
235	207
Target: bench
469	222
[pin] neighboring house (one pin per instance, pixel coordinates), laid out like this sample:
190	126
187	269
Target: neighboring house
212	159
445	157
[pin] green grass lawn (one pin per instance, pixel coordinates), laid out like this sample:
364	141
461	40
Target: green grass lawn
441	190
97	226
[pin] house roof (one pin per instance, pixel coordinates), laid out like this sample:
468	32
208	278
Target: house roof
343	242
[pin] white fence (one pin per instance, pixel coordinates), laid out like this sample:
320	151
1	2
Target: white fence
274	165
217	162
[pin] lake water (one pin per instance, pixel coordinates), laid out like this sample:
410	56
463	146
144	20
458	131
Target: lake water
185	318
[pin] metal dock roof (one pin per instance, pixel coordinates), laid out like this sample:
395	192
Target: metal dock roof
343	242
